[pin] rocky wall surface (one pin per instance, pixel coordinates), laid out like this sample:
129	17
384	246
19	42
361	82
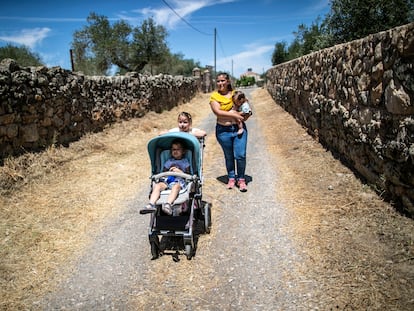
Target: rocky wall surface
357	99
41	106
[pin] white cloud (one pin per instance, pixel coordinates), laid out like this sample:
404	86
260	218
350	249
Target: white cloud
255	57
169	18
27	37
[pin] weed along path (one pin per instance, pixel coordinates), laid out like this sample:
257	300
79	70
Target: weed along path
307	234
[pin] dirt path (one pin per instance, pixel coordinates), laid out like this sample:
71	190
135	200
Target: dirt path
306	236
240	265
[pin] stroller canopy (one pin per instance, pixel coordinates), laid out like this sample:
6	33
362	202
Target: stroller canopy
163	142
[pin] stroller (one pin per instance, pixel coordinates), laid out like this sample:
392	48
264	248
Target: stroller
194	212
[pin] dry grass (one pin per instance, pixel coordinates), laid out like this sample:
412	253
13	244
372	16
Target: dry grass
52	202
340	224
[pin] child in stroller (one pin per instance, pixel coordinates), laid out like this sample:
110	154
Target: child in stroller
182	170
177	163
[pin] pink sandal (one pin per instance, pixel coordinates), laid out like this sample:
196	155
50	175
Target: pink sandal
231	183
242	185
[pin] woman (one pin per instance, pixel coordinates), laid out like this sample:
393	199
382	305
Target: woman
233	145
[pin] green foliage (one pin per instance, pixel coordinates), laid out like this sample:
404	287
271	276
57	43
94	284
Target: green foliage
175	64
295	49
315	37
100	46
348	20
354	19
309	39
245	81
22	55
149	46
280	54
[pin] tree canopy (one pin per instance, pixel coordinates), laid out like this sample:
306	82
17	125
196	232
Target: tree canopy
280	53
22	55
176	64
100	46
347	20
354	19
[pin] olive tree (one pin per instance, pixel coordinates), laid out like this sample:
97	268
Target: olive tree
100	46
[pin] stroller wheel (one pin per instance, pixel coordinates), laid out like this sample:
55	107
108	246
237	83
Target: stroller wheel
155	251
207	217
188	251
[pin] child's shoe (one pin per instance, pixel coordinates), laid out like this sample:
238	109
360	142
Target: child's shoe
150	208
166	208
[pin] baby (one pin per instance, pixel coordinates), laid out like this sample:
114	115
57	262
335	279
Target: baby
176	163
241	104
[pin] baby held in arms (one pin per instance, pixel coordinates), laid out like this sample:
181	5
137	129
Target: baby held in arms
241	104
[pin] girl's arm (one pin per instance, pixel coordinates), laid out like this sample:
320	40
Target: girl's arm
198	133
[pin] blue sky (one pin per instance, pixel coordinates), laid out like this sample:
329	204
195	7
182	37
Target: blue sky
247	30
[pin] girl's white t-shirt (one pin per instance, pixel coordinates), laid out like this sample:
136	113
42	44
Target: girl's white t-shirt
176	129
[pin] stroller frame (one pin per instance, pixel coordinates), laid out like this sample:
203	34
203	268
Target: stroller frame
194	211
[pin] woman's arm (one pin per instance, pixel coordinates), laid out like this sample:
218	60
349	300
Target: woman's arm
215	107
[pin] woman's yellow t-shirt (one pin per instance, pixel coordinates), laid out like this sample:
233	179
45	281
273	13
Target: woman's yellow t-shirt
225	103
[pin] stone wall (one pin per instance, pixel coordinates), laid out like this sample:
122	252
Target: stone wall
357	99
40	106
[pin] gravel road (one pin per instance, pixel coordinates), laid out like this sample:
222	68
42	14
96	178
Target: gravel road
241	265
322	241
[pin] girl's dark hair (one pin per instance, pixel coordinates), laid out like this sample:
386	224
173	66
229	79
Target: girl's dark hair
227	76
180	142
238	95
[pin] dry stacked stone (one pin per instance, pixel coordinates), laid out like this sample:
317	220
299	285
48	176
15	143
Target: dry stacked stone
41	106
357	99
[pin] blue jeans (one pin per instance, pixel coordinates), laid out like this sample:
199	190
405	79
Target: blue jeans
234	149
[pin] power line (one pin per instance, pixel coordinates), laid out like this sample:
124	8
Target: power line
204	33
221	46
224	54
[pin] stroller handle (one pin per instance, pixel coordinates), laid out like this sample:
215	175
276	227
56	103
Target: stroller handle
175	174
